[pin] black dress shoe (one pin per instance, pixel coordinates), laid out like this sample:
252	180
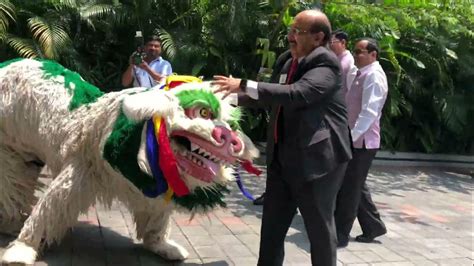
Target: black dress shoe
259	200
342	244
369	238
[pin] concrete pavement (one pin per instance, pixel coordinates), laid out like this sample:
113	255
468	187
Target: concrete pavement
428	213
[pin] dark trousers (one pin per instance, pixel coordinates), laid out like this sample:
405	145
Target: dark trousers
316	201
354	200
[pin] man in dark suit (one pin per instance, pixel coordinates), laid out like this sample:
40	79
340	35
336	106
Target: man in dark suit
308	143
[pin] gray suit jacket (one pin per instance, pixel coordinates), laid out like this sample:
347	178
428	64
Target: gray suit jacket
315	135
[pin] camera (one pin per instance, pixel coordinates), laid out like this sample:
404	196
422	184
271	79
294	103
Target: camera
137	57
139	54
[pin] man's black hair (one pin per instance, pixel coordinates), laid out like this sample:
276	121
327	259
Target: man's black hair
340	35
372	45
152	38
321	27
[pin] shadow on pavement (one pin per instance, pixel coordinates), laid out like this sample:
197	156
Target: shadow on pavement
88	244
388	183
393	180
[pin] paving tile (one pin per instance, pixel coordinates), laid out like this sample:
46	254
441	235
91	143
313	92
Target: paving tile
113	218
186	221
248	238
246	261
91	256
398	263
122	257
428	214
217	261
347	257
238	229
424	262
387	254
213	251
189	262
113	239
218	230
55	258
236	251
227	240
194	230
457	262
368	256
147	258
201	240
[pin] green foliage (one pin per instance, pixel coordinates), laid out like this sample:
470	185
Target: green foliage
428	50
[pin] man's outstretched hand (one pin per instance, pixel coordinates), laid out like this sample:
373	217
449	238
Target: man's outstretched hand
227	85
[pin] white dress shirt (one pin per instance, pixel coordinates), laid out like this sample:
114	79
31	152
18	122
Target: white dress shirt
373	98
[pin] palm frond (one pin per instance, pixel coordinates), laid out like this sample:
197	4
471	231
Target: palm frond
98	10
51	37
168	44
7	14
455	112
24	47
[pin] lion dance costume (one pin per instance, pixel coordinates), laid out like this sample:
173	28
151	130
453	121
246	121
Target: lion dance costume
153	150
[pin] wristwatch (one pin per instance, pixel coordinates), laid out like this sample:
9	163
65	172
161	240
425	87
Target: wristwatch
243	85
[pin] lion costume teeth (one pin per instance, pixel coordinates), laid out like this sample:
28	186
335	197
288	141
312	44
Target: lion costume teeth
154	150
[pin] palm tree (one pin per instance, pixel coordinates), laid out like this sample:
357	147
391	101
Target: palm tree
47	29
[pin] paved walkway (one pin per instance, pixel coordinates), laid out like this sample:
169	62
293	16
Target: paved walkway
428	213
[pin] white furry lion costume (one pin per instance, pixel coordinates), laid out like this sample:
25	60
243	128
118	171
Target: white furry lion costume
154	150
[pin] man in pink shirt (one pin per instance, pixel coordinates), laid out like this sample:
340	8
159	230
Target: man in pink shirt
364	100
339	41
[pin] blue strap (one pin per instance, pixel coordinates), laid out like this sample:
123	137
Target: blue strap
152	148
238	179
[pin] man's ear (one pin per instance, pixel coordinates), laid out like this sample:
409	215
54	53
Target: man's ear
374	54
319	37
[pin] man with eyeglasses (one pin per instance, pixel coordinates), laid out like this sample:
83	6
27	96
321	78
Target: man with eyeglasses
339	41
365	100
308	142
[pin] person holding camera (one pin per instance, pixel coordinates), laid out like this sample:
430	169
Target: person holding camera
146	66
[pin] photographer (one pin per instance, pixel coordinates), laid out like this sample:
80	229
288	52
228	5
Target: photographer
147	68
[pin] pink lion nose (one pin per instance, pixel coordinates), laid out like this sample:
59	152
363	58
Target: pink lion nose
224	136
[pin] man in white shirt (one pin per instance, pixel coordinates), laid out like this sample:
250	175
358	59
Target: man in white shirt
150	71
365	100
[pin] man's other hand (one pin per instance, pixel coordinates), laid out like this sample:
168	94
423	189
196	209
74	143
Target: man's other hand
227	85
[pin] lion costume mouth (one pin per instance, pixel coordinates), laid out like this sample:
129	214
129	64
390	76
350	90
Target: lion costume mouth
200	158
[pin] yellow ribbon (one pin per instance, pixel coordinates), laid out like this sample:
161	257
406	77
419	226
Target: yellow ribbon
157	122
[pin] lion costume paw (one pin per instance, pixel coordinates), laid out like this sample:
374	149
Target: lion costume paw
167	249
19	253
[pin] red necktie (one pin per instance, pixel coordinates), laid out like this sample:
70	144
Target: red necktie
289	79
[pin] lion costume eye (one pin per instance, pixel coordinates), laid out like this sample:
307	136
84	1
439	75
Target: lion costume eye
198	112
204	113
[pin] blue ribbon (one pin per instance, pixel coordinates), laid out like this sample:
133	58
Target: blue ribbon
238	179
152	156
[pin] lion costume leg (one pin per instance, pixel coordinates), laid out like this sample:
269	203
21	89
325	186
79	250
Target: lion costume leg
154	227
18	180
56	211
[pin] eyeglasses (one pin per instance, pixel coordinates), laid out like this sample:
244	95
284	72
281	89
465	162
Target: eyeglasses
359	51
297	31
